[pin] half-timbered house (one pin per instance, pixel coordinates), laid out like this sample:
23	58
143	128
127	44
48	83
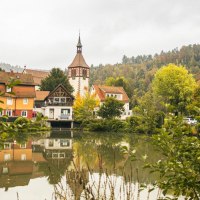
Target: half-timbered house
58	104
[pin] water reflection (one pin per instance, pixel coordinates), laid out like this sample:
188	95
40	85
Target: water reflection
75	158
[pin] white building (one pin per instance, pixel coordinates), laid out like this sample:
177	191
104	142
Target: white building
102	92
57	105
79	72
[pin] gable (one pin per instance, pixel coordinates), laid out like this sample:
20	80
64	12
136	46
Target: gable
60	96
60	91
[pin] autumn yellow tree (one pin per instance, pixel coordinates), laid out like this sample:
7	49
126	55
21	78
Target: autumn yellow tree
84	107
175	86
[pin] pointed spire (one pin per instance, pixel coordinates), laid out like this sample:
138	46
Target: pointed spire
79	45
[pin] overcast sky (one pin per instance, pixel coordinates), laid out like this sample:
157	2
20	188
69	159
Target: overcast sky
44	33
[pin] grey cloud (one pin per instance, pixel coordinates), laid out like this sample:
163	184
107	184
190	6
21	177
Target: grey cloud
44	33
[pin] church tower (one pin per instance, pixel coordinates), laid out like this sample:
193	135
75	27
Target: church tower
79	72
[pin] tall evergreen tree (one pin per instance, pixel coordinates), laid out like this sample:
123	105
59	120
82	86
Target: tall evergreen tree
56	77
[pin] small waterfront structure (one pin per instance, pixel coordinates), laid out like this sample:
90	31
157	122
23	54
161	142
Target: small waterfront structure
102	92
18	100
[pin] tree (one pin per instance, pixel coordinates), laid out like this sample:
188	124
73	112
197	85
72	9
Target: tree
125	59
84	107
175	85
148	114
179	169
193	108
111	108
56	77
120	82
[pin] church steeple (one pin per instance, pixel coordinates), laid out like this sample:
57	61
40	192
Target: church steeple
79	72
79	45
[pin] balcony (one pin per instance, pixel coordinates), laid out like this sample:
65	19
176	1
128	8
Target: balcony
58	104
65	117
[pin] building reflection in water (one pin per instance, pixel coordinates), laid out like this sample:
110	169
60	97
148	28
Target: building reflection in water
16	164
48	157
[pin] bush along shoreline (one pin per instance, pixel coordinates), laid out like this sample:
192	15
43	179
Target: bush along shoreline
21	126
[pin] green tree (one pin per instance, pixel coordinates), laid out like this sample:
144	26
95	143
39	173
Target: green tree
111	108
120	82
56	77
148	114
179	169
193	108
175	85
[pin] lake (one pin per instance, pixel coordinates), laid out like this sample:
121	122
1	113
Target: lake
72	165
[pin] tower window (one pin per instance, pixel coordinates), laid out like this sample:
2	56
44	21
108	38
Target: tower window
73	73
84	73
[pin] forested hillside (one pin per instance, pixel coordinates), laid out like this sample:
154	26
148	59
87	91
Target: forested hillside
8	67
136	73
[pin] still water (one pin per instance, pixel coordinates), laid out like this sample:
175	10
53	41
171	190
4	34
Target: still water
67	165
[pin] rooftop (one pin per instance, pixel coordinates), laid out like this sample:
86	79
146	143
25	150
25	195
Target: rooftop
102	90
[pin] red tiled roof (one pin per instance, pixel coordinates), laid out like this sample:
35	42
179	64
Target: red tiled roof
41	95
25	79
101	91
24	91
79	61
38	75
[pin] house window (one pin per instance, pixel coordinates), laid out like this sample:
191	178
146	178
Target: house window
63	100
54	155
23	146
23	157
9	113
58	155
65	111
24	113
9	101
6	156
56	100
51	142
7	145
5	170
25	101
64	143
8	89
61	155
